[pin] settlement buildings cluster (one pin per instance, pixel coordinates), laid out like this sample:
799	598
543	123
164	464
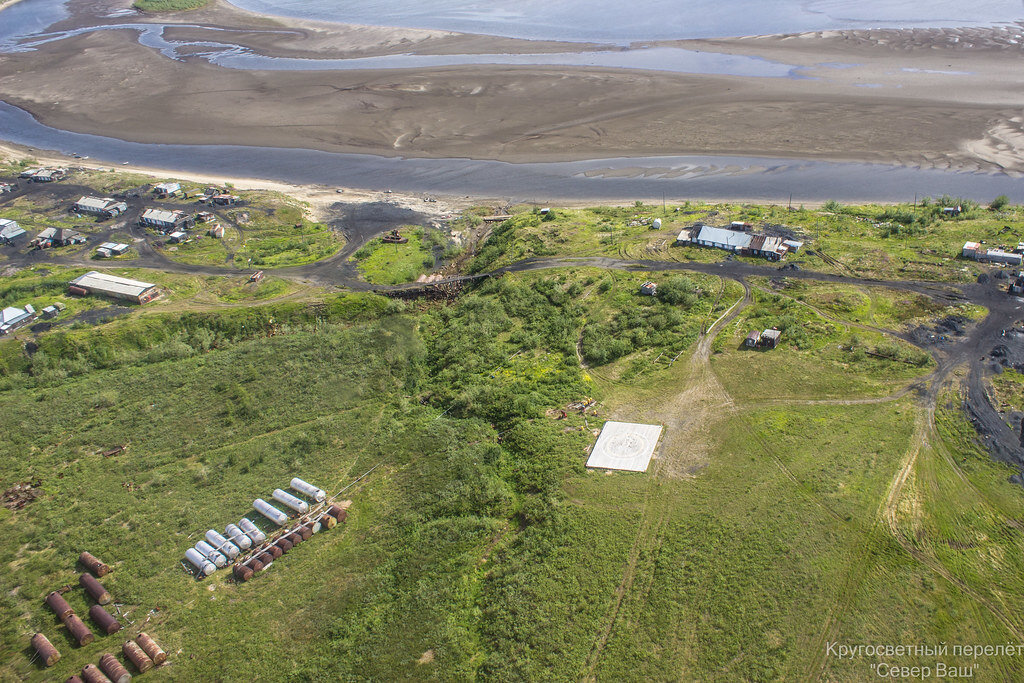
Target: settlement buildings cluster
738	239
975	251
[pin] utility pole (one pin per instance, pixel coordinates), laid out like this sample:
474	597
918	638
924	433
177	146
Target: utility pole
790	201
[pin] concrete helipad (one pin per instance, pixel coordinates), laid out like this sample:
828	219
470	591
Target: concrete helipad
625	446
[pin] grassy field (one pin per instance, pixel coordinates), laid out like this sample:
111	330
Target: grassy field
391	264
480	547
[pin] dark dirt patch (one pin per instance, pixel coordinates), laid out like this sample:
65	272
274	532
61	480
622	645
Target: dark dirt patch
98	316
361	222
950	328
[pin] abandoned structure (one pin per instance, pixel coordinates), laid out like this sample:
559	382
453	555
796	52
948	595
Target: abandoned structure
975	251
737	241
10	231
105	207
110	249
113	286
649	288
166	189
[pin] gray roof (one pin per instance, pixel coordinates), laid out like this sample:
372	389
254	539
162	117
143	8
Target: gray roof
10	229
11	315
102	282
162	215
730	239
97	203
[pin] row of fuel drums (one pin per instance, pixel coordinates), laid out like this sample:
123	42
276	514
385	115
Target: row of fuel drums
218	550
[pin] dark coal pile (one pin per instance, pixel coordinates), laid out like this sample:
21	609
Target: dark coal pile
1009	353
97	316
983	279
947	329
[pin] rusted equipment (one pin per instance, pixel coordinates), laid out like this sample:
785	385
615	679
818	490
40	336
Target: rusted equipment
74	678
150	647
306	531
79	630
274	551
241	572
137	656
92	674
102	618
90	562
337	513
295	538
59	605
254	564
263	559
328	521
114	669
45	649
284	544
94	588
394	237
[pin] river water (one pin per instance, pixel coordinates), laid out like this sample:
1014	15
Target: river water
621	22
633	178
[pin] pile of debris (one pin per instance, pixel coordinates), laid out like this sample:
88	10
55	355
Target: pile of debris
21	494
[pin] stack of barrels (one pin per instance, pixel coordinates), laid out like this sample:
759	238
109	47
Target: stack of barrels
143	653
263	556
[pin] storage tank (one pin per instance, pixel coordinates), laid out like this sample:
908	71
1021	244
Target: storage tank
45	649
212	555
114	669
252	531
238	537
90	562
137	656
270	512
79	630
308	489
150	647
222	544
92	674
102	618
199	561
59	605
94	588
287	499
241	572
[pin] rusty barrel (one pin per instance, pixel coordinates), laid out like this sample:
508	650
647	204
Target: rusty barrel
90	562
79	630
59	605
94	588
45	649
137	656
264	559
306	531
74	678
337	513
241	572
274	552
255	564
295	538
92	674
284	544
114	669
150	647
328	521
104	619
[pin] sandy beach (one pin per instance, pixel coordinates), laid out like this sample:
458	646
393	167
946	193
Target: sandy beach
925	98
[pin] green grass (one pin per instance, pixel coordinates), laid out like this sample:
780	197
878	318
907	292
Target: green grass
391	264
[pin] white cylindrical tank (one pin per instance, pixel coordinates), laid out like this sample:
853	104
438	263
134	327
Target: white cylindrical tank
212	555
315	527
285	498
222	544
656	225
238	537
202	565
308	489
270	512
252	531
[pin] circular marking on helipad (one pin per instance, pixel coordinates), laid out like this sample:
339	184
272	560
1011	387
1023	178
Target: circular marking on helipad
626	446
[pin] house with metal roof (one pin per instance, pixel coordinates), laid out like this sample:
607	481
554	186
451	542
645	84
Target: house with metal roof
770	338
106	207
10	231
110	249
767	246
49	175
11	318
58	237
166	189
721	238
95	282
166	220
